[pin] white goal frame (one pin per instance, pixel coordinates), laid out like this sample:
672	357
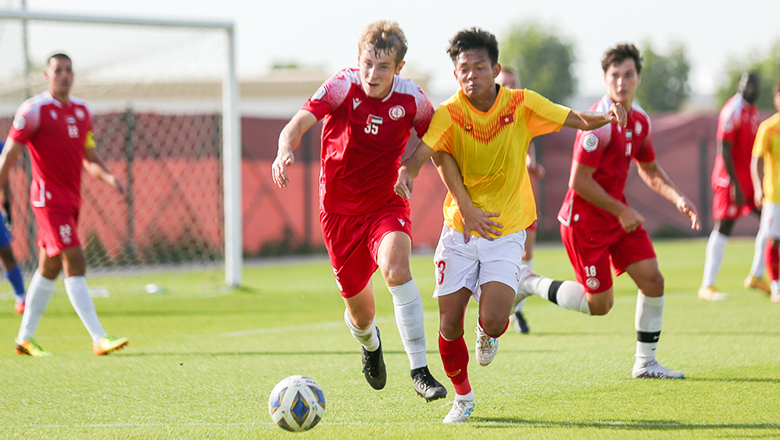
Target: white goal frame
231	121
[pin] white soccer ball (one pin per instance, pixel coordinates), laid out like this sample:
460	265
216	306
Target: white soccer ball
297	403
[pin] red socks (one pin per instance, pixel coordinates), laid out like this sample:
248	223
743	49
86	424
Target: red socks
455	357
772	258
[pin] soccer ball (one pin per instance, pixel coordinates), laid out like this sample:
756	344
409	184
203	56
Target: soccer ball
297	403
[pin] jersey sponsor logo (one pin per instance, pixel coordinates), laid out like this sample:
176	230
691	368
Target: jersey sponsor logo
19	122
319	94
355	103
507	119
70	119
590	143
80	114
375	120
53	114
397	112
593	283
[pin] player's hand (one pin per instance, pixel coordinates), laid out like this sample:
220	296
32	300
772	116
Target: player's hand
536	170
686	207
617	114
630	219
479	221
758	198
119	187
279	168
737	194
404	184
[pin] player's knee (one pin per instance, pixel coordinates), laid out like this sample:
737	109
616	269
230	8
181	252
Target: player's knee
600	304
397	274
493	323
450	330
653	285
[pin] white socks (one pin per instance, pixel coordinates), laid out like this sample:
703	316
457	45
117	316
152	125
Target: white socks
410	321
78	293
38	296
757	268
713	258
649	320
567	294
367	337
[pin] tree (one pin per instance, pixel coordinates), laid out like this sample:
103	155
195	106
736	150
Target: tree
768	68
664	80
542	59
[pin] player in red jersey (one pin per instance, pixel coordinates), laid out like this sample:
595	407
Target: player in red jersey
598	227
57	130
508	78
368	114
732	186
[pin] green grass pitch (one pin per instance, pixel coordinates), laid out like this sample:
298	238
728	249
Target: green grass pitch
203	359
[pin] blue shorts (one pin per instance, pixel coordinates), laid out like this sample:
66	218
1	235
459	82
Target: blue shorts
5	234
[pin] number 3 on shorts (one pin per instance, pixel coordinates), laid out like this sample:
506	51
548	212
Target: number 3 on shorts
440	267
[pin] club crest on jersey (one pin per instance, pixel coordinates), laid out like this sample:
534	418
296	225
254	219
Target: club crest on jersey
590	143
70	119
507	119
19	122
53	114
593	283
638	128
397	112
319	93
79	114
468	128
376	120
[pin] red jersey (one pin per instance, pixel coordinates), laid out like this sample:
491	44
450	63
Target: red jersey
363	140
610	150
56	135
737	124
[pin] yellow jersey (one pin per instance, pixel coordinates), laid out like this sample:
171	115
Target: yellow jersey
767	145
490	149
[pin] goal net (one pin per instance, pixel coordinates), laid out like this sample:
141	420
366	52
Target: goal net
163	97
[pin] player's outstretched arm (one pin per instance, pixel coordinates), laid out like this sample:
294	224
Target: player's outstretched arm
289	139
474	219
99	170
656	178
8	159
410	169
755	176
585	185
587	121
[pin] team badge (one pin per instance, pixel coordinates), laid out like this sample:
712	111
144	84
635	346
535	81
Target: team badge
638	128
70	119
319	94
397	112
19	122
590	143
593	283
468	128
79	114
507	119
53	114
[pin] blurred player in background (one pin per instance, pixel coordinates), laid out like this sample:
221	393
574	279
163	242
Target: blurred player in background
368	114
479	140
508	78
57	130
600	230
767	148
732	186
11	269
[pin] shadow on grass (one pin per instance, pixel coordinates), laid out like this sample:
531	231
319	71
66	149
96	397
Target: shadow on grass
734	379
255	353
639	425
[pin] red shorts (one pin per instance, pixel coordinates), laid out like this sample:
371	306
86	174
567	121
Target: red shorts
592	252
724	207
353	241
57	228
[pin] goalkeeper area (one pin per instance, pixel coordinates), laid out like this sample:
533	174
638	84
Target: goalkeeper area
165	121
202	361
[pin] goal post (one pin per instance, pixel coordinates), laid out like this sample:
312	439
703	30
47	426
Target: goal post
165	102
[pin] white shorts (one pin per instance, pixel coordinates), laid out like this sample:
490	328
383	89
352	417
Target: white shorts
470	265
770	220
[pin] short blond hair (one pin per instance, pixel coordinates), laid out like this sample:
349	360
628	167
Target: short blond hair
384	37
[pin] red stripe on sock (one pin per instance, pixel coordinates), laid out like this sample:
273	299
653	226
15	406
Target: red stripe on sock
455	357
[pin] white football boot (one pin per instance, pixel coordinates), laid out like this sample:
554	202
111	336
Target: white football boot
486	348
653	370
460	412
